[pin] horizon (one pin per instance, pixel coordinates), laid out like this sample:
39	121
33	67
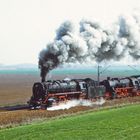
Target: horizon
69	66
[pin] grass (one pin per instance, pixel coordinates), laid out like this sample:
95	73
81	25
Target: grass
115	124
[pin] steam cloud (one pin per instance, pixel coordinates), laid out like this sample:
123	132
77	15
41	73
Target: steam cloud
93	42
74	103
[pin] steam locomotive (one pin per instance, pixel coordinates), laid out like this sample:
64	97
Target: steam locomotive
49	93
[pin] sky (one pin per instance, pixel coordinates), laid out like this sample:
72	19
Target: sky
26	26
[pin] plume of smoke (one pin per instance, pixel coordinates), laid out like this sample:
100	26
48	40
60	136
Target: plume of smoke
130	31
67	47
74	103
102	43
93	42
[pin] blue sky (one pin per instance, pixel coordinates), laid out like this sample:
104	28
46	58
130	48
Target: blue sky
26	26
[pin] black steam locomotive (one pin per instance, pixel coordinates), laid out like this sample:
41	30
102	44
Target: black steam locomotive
48	93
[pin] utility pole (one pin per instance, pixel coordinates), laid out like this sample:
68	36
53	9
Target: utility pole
99	72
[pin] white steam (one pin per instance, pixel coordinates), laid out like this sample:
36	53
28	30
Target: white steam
73	103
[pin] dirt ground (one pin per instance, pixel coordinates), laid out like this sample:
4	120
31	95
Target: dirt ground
16	89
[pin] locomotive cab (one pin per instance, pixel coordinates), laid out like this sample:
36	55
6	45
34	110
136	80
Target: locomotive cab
83	86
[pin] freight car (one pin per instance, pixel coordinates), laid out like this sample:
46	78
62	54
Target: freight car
49	93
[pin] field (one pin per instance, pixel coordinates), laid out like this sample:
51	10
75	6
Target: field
16	88
120	123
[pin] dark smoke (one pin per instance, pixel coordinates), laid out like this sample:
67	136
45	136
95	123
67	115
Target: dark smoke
92	43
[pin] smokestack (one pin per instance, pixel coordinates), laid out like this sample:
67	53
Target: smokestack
43	70
43	74
92	43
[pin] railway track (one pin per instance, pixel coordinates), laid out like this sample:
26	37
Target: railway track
14	107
